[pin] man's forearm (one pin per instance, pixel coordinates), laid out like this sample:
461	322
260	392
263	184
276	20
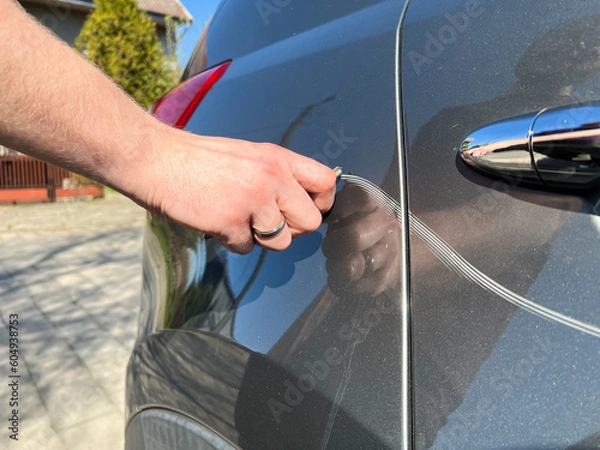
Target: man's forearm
58	107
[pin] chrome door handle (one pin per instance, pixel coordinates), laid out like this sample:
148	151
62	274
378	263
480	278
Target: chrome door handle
556	148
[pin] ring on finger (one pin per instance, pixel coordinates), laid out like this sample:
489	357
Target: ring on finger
273	231
369	262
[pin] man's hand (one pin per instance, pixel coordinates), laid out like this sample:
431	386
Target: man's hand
56	106
225	187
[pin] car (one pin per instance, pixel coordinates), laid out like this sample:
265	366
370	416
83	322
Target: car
450	299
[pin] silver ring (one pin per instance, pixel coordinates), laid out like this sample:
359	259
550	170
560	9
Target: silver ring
273	231
369	262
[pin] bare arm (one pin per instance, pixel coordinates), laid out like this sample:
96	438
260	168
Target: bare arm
56	106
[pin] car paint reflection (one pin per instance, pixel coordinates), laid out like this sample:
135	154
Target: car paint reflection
542	55
335	358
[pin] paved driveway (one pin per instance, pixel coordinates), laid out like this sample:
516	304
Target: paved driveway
72	274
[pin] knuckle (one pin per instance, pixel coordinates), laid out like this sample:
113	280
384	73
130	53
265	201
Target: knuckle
285	242
330	179
241	244
244	249
323	179
327	205
269	167
356	238
312	220
270	160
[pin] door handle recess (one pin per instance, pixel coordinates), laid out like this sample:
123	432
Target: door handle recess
555	148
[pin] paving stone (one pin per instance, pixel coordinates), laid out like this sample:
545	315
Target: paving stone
77	401
88	436
72	271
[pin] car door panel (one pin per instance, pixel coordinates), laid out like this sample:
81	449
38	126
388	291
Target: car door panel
316	355
493	363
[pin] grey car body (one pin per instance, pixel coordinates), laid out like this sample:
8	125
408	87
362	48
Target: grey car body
437	306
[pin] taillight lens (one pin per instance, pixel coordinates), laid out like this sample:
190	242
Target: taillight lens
177	106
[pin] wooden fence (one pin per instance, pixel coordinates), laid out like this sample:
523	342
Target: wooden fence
27	179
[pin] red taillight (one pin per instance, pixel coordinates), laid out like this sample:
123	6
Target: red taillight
177	106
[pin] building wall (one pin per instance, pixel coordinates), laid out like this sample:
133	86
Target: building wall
67	23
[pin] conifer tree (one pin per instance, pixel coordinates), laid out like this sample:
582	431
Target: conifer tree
122	41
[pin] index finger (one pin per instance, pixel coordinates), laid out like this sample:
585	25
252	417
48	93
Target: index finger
316	179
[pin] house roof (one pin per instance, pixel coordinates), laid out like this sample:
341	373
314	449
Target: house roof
172	8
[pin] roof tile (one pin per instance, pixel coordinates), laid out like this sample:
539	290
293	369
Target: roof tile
172	8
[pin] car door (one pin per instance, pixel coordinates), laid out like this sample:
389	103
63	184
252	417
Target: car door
305	348
504	277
